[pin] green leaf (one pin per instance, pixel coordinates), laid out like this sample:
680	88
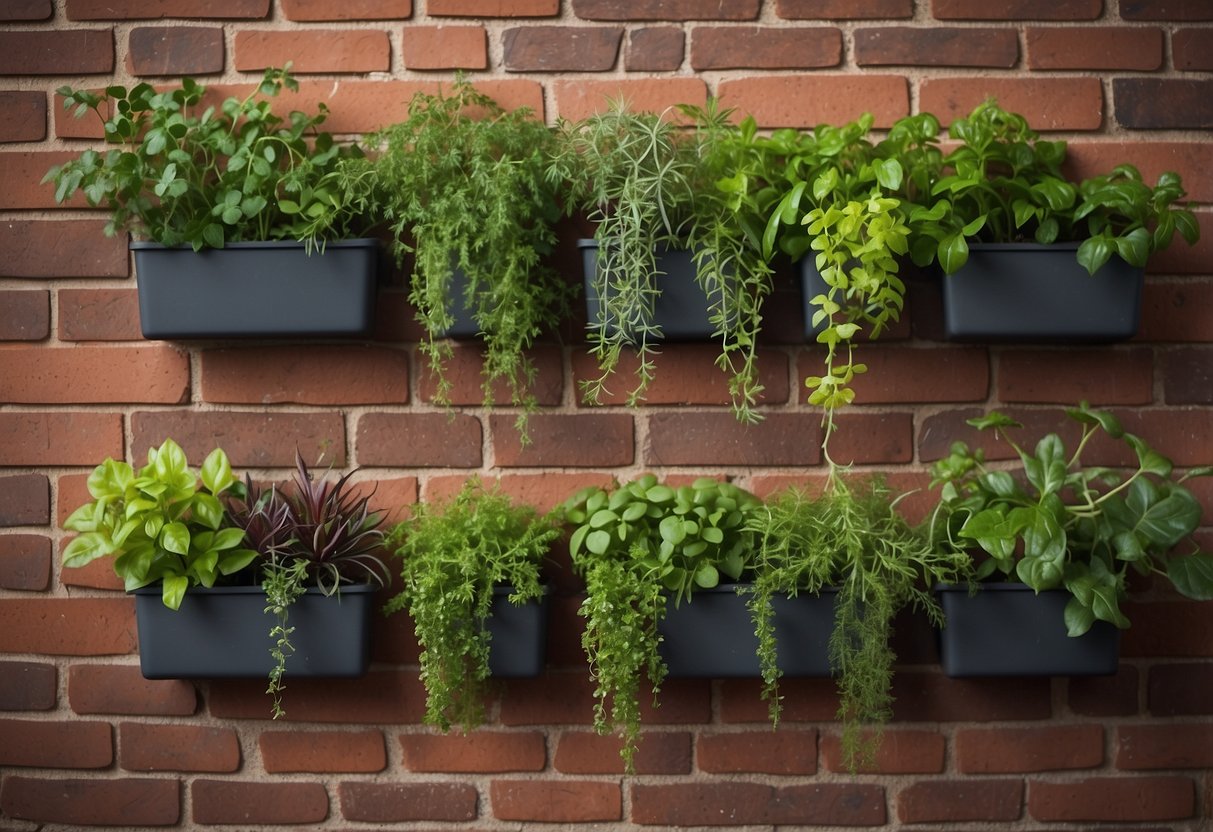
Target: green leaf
175	537
1093	253
1078	618
706	576
86	548
1134	247
672	530
174	590
598	542
888	173
1192	575
953	253
216	472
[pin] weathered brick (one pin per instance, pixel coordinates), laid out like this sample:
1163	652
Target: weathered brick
765	47
561	48
913	374
557	699
45	744
809	100
124	802
1187	375
1018	750
311	11
1192	49
28	686
22	172
1016	10
872	438
685	374
323	374
403	802
590	440
1094	47
1105	696
42	438
654	49
943	801
379	697
27	10
789	751
25	314
1165	10
578	99
98	315
1168	628
928	697
25	500
1102	377
144	747
493	8
24	116
1179	689
1090	158
419	440
61	52
1171	311
477	752
665	9
1047	103
1163	103
936	46
804	700
445	47
175	50
544	491
464	372
152	9
1117	799
319	752
252	440
67	626
690	438
1152	746
564	801
843	9
313	50
230	802
702	804
121	689
898	752
60	248
658	752
1182	436
25	562
94	375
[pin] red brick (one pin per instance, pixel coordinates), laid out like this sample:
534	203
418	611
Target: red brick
765	47
319	752
25	500
1187	375
804	700
145	747
1192	49
898	752
1105	696
55	744
445	47
493	8
379	697
1180	689
758	752
475	753
555	699
464	372
392	497
151	9
25	562
563	801
665	9
121	689
938	431
1102	377
560	48
98	315
313	50
1118	799
729	803
61	52
175	50
843	9
1090	158
124	802
872	438
690	438
402	802
543	491
22	172
809	100
1163	103
28	686
575	100
320	375
914	374
24	116
27	10
1093	47
324	10
419	440
94	375
936	46
1016	10
67	626
1047	103
251	440
943	801
1183	436
229	802
928	697
1173	311
655	49
60	248
25	315
1165	10
42	438
559	440
1018	750
1143	747
1168	628
658	752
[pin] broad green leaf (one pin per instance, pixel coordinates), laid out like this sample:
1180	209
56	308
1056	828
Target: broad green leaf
207	510
1093	253
1134	247
85	549
216	472
228	538
598	542
174	590
1192	575
672	530
1078	618
175	537
237	559
707	576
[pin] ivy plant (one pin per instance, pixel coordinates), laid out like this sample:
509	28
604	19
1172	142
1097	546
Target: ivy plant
1063	524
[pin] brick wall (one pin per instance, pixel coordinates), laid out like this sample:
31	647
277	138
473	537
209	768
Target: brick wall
85	739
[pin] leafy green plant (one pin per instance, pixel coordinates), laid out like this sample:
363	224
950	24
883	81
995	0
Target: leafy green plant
452	556
637	547
190	173
850	537
1066	525
162	523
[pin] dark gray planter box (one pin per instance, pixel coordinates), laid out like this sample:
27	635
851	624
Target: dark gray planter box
1027	292
223	633
712	635
1007	629
811	285
519	636
261	289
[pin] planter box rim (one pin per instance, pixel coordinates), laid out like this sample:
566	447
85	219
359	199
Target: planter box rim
353	589
998	586
356	242
1025	246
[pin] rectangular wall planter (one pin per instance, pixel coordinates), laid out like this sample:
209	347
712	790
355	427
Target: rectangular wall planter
1027	292
519	636
812	284
223	633
1007	629
259	289
712	635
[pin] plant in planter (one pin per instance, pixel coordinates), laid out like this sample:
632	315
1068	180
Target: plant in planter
235	176
640	547
1068	526
459	561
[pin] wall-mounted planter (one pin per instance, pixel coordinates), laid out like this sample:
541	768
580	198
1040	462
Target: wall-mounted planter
259	289
519	635
1007	629
1027	292
712	635
223	633
812	284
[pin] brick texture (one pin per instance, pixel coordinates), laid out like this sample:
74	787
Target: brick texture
1102	377
1192	49
38	438
1017	10
1120	799
1015	750
313	51
227	802
25	315
257	440
27	10
1163	103
785	752
494	8
63	248
569	801
403	802
326	10
127	801
74	52
1094	48
478	752
561	440
695	804
319	375
56	744
843	9
121	689
419	440
561	48
28	686
809	100
718	439
936	46
175	50
445	47
764	47
899	752
946	801
152	9
98	315
94	375
24	500
177	748
655	49
24	116
317	752
665	9
584	752
25	562
1047	103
